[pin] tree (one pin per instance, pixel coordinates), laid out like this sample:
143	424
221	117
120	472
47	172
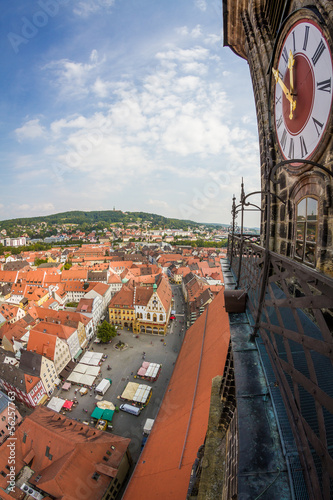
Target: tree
105	332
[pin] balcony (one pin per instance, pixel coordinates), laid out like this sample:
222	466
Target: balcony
290	313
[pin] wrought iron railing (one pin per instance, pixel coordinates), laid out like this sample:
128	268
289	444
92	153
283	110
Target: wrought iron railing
293	330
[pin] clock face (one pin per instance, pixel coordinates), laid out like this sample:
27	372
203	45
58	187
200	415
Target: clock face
303	90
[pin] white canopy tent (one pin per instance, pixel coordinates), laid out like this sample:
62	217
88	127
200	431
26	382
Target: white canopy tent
91	358
81	378
56	404
136	392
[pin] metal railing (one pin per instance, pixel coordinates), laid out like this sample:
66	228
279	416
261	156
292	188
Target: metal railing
292	310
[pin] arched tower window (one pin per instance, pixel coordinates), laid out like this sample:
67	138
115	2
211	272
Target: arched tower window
306	230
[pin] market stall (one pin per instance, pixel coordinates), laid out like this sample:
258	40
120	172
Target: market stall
106	405
102	414
82	379
91	358
149	371
97	413
66	386
56	404
67	405
137	394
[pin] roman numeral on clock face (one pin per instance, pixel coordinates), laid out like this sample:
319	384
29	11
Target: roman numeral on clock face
294	42
325	85
304	151
279	122
306	37
318	125
285	55
319	50
291	153
283	141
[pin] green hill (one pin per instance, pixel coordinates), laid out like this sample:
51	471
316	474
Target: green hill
105	216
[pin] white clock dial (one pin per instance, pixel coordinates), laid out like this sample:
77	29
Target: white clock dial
303	90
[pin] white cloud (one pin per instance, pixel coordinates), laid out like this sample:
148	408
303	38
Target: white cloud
196	32
86	7
184	55
183	31
195	67
74	78
201	4
101	88
158	204
30	130
39	208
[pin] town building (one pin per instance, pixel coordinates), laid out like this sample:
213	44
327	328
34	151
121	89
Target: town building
28	389
50	346
270	427
143	309
35	364
9	416
56	457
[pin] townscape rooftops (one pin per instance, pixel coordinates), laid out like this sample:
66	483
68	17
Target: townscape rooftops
64	456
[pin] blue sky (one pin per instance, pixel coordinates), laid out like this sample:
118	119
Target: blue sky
133	104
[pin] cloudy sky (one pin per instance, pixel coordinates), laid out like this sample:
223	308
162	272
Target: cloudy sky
132	104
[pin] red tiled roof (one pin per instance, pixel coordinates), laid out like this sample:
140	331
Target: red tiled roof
61	331
100	288
74	275
124	297
50	315
42	343
157	470
165	293
65	454
8	276
85	305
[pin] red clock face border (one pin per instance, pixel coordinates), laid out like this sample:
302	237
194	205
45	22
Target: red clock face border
310	84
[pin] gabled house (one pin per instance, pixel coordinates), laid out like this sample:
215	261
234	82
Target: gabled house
92	308
37	365
26	388
11	313
66	333
82	323
50	346
100	290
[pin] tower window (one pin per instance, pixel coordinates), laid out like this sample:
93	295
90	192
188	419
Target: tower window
306	230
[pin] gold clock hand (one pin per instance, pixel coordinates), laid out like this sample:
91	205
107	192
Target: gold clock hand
285	91
291	62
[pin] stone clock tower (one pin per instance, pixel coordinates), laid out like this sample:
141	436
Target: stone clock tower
270	428
288	45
